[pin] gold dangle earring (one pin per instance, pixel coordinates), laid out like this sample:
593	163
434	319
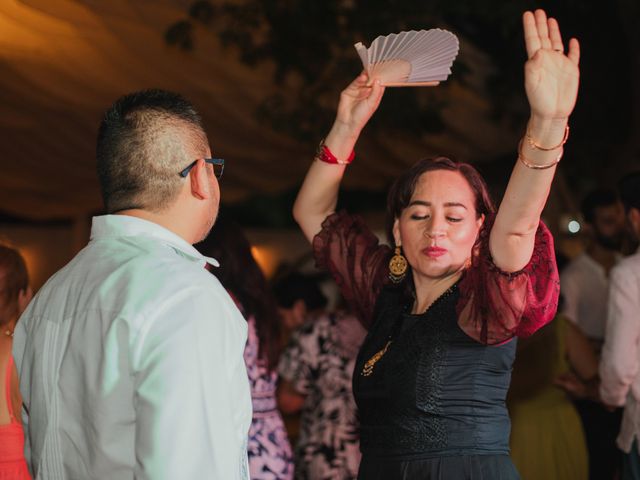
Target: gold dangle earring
397	266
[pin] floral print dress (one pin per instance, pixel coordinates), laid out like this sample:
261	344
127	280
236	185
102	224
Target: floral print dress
269	451
318	362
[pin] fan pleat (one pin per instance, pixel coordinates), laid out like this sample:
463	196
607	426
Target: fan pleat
411	57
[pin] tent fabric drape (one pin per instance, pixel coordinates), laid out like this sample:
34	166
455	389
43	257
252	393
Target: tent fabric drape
62	63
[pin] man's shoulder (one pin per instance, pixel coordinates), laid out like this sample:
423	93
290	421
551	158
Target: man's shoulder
628	266
172	278
125	277
151	258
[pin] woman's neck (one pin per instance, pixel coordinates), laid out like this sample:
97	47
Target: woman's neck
429	289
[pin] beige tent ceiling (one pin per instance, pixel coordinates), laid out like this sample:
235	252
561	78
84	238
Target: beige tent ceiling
62	62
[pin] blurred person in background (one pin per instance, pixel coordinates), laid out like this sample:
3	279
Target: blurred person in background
620	363
298	296
270	456
585	280
585	290
547	438
15	294
315	380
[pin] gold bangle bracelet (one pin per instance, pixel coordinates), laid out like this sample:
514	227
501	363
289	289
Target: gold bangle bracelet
535	146
527	163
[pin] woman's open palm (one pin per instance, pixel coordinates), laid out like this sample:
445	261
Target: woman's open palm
551	77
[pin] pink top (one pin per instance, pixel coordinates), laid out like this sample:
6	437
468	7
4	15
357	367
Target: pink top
12	463
494	306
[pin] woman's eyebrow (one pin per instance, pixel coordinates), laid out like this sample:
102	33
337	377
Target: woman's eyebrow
447	204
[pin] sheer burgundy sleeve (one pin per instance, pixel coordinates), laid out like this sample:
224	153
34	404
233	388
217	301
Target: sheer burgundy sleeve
347	249
495	306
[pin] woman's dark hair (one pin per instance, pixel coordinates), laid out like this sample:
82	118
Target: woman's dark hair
13	279
240	274
294	286
402	189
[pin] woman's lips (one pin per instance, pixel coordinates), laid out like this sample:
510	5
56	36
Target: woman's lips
434	252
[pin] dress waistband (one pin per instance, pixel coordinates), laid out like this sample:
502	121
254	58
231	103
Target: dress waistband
264	405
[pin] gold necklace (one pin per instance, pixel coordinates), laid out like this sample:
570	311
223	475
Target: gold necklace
368	367
8	333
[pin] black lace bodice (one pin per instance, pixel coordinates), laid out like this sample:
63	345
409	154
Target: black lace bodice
436	390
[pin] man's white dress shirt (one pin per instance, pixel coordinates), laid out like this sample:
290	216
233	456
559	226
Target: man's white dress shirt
131	366
619	372
585	287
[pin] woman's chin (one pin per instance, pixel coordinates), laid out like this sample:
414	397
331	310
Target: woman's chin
437	272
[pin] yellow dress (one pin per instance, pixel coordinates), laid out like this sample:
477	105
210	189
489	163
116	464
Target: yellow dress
547	441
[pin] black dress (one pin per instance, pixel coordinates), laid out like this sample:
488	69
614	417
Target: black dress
433	405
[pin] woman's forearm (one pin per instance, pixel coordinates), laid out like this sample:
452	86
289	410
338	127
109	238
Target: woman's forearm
318	195
551	83
513	234
528	186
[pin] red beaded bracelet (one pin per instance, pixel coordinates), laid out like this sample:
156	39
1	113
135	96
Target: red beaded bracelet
324	155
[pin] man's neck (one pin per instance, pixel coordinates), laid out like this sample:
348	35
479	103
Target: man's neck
164	220
602	256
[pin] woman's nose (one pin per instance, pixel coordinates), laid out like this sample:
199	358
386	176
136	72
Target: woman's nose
434	227
433	232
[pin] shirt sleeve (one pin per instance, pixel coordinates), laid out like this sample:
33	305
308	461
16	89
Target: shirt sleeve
189	377
351	253
495	306
619	361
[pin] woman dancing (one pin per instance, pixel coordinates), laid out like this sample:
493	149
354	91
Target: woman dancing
444	309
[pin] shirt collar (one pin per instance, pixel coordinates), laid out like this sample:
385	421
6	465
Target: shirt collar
105	226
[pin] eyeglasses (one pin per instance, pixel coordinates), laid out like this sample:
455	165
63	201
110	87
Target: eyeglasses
218	166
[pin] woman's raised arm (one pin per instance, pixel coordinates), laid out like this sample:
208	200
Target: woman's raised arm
319	193
551	84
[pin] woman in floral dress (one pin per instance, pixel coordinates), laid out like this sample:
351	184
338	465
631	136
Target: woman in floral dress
315	375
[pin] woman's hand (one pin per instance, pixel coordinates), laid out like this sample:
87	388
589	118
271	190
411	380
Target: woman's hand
578	388
358	102
551	77
318	195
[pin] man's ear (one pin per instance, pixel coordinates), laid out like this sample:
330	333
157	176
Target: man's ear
396	233
200	183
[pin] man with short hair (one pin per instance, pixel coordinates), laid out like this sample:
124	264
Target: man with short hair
584	286
620	364
584	282
130	357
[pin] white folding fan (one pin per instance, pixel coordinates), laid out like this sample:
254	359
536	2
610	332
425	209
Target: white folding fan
410	59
